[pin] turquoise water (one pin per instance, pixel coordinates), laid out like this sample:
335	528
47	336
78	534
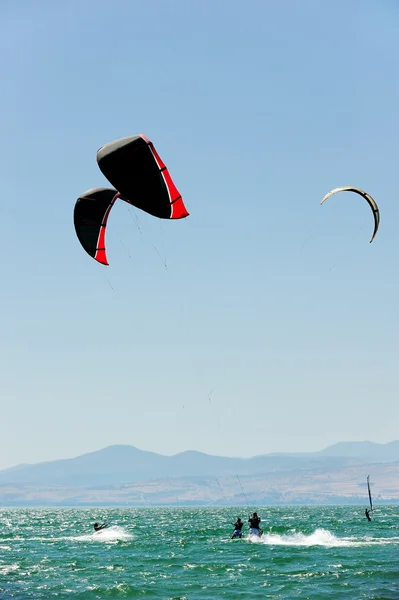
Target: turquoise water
187	553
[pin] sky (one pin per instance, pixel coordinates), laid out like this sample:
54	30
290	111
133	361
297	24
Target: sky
263	322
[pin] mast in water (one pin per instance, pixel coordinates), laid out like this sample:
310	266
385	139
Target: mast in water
368	487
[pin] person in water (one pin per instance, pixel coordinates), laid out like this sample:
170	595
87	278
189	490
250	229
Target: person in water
254	523
98	527
238	525
367	514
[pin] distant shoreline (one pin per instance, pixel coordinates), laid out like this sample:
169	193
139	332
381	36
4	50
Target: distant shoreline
357	504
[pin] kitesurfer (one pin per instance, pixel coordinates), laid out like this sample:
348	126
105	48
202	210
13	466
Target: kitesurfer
367	512
98	527
254	523
238	525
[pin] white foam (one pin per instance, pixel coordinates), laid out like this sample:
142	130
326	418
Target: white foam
6	569
109	534
320	537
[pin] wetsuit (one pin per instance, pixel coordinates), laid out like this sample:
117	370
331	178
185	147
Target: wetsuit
237	529
254	523
367	514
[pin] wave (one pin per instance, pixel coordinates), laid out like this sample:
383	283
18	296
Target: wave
109	534
320	537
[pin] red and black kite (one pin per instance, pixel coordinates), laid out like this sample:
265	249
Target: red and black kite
135	169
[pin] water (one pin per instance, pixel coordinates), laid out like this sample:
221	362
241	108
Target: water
187	554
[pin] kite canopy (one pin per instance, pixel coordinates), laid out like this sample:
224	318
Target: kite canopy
90	218
133	166
370	200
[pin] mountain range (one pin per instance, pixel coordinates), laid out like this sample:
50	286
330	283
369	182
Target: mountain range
122	474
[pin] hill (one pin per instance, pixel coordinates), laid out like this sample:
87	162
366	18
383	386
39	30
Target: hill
126	464
125	475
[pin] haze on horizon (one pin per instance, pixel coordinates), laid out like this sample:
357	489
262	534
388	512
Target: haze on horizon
273	326
365	449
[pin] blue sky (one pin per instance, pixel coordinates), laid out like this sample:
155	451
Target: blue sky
278	305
